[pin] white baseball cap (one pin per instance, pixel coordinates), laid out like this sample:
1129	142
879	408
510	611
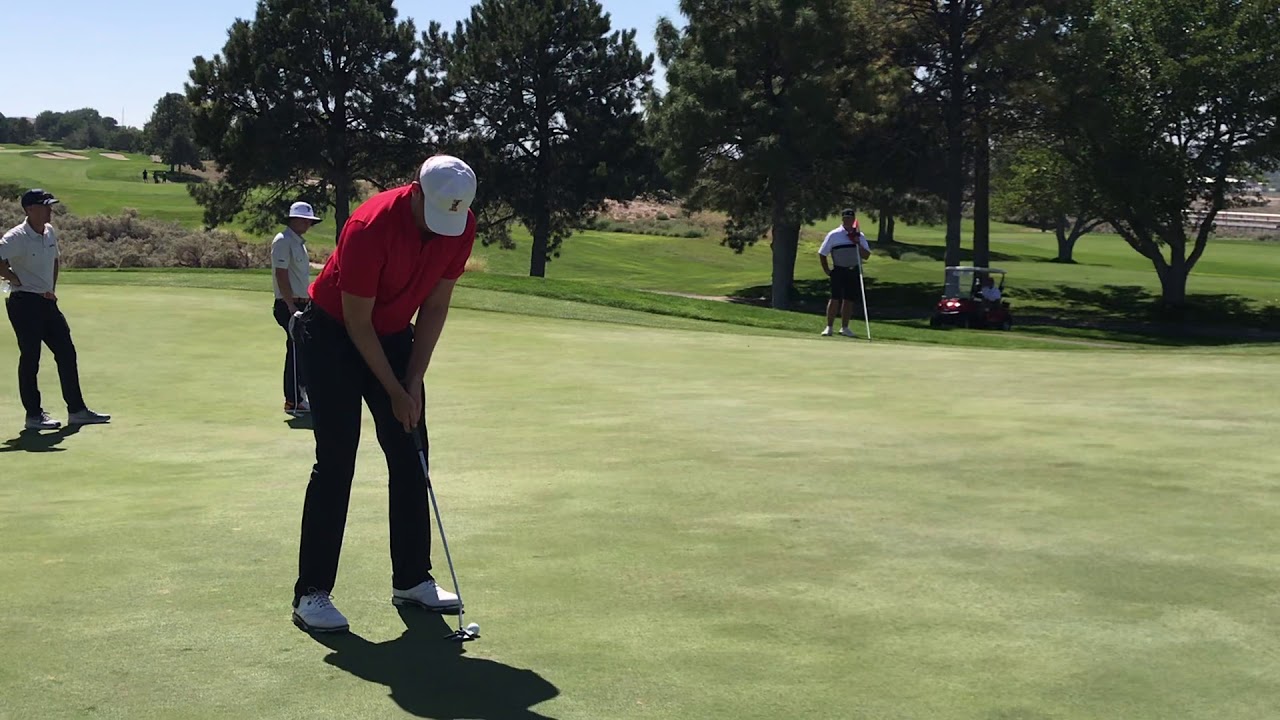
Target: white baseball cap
302	210
448	189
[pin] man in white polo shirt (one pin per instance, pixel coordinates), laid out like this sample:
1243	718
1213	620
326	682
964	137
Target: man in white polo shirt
290	278
29	260
847	247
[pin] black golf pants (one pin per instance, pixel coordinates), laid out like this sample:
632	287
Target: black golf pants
338	381
37	320
295	371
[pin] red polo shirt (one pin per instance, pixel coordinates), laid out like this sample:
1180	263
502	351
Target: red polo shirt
382	254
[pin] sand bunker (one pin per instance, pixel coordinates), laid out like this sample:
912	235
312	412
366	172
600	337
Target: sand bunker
113	156
60	156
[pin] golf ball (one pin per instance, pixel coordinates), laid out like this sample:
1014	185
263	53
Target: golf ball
474	628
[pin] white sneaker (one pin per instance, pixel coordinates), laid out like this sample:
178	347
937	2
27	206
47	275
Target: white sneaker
428	596
87	417
846	332
826	332
316	613
42	422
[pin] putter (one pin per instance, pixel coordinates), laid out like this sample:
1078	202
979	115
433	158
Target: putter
462	635
297	399
866	316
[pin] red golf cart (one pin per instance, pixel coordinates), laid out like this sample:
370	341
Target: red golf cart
962	303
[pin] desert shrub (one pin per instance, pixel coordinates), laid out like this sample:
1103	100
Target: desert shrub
128	240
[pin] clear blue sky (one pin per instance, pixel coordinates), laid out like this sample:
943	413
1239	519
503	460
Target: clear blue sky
122	56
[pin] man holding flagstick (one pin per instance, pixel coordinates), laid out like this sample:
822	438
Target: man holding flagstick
847	247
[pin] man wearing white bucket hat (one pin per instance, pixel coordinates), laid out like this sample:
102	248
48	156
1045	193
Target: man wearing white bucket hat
398	256
290	275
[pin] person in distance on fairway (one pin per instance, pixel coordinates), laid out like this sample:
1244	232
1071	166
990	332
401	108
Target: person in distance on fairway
29	260
290	275
840	245
399	254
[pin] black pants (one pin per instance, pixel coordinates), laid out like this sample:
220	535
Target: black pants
294	363
339	379
37	320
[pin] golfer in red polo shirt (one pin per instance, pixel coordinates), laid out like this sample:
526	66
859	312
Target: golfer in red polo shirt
399	254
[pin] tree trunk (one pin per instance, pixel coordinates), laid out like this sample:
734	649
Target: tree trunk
541	236
786	242
541	212
1067	238
893	223
1064	243
954	117
341	168
982	188
1173	279
884	226
341	201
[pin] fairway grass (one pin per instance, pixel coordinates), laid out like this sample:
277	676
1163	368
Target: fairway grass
651	522
100	185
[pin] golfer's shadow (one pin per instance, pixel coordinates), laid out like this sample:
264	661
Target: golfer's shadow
40	440
431	677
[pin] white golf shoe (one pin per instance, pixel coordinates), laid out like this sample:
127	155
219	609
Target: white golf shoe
428	596
846	332
42	422
826	332
316	613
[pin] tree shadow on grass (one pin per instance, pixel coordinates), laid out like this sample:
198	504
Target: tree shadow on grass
1205	317
431	677
885	301
1205	320
39	441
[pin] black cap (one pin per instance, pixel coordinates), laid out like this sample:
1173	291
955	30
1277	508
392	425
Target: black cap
36	196
847	212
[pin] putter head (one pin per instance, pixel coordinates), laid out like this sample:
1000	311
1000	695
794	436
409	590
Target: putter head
462	636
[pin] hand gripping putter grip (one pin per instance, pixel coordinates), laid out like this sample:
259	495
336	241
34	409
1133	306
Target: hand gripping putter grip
461	635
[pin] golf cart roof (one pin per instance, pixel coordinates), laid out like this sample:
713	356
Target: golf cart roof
966	268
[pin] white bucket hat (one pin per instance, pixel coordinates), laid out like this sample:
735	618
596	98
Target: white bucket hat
448	188
302	210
